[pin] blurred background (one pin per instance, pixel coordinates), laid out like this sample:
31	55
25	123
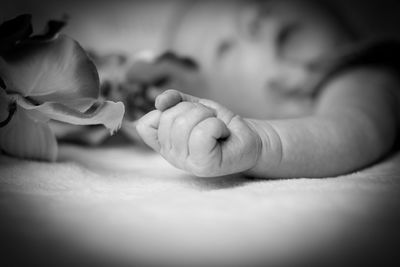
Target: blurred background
205	30
193	27
109	24
278	88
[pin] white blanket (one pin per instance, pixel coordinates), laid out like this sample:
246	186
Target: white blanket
128	205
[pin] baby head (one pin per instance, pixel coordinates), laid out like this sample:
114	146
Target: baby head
261	58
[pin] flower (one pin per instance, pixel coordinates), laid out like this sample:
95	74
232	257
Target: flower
46	77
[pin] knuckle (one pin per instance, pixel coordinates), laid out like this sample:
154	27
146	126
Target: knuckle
167	115
207	102
184	105
180	121
207	112
198	133
213	123
140	127
203	107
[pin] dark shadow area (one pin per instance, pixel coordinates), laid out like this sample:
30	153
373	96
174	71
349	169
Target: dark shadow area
223	182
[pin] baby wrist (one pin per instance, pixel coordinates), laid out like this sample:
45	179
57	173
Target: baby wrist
270	151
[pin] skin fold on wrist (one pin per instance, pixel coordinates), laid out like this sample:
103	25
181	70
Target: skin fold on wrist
269	148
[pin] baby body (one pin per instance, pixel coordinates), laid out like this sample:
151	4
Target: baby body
354	124
351	123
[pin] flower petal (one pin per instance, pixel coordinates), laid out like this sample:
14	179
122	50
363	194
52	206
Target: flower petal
80	104
57	70
108	113
26	137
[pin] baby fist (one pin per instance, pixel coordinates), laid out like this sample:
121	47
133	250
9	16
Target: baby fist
199	135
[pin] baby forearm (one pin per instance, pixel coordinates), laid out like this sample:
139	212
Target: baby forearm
315	147
352	127
354	124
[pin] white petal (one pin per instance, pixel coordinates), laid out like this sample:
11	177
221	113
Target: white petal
57	70
108	113
26	137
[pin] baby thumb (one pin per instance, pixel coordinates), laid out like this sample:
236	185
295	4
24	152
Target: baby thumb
170	98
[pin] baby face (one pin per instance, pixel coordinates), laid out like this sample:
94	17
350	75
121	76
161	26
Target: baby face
260	59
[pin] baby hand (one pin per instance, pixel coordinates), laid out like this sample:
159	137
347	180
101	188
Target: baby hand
199	135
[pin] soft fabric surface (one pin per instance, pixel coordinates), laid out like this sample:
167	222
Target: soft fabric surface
126	204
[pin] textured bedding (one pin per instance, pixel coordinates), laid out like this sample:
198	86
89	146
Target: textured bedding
126	205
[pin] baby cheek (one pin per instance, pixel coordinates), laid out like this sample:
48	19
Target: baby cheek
246	65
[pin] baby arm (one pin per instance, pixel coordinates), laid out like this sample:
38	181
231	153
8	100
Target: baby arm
355	123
